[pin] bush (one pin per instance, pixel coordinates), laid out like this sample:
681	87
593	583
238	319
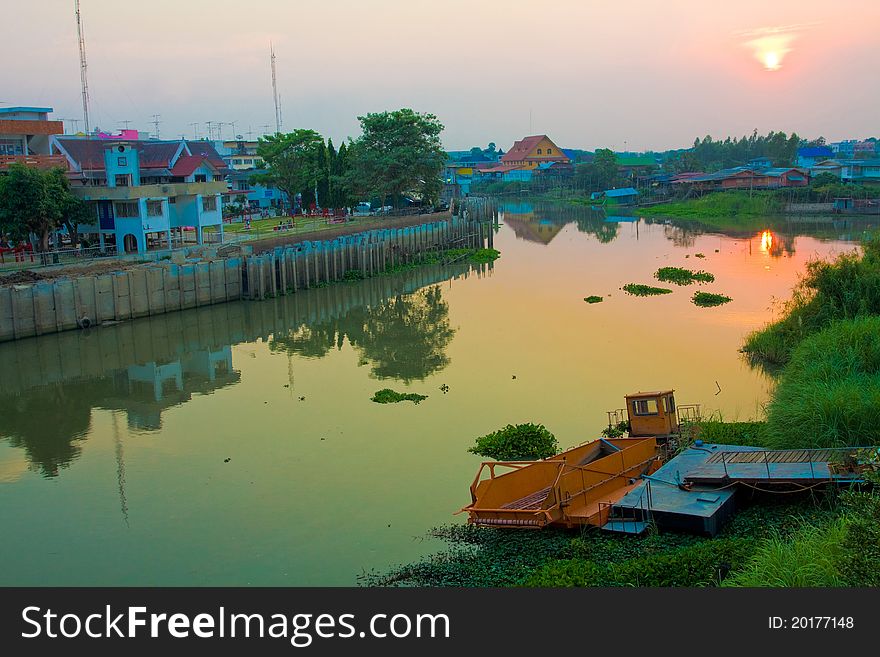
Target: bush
859	563
808	559
516	443
829	394
701	564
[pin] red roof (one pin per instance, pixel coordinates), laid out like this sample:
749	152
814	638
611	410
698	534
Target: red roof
207	151
186	164
521	149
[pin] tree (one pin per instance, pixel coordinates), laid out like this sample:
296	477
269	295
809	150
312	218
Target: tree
34	201
605	169
293	161
399	152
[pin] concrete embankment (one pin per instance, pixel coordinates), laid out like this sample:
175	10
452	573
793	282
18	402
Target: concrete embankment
165	286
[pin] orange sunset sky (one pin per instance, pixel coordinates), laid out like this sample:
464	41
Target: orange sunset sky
633	75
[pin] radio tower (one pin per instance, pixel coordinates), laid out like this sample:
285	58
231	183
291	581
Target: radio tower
82	67
275	91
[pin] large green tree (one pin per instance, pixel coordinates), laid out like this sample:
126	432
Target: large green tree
36	202
398	153
294	161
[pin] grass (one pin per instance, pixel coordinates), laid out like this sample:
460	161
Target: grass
829	393
389	396
845	288
682	276
639	290
709	299
719	205
594	299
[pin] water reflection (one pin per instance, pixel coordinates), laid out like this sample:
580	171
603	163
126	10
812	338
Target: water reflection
141	369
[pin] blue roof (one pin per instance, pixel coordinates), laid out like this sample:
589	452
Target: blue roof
815	151
623	191
10	110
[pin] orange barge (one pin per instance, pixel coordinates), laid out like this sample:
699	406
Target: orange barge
578	486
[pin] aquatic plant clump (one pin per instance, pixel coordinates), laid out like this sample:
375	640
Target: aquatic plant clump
709	299
594	299
639	290
389	396
518	442
481	256
682	276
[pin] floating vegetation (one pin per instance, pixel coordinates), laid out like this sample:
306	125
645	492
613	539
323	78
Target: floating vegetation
699	255
516	443
639	290
708	299
594	299
682	276
389	396
476	256
485	255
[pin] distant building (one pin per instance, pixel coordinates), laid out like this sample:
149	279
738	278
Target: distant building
808	156
530	152
762	162
853	148
25	133
621	196
636	167
749	178
256	195
142	191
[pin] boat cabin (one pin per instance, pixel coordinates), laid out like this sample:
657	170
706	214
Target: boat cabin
652	413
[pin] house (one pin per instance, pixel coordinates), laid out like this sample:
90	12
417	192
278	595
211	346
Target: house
808	156
621	196
853	148
239	155
529	152
24	137
762	162
142	191
256	195
636	167
751	178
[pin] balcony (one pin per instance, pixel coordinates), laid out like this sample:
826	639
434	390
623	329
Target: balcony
149	191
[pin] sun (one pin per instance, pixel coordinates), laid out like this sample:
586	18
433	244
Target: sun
772	60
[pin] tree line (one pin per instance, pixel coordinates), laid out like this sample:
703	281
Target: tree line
398	155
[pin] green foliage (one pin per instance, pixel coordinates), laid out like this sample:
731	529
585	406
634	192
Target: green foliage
399	152
594	299
807	559
516	443
859	561
639	290
481	256
717	431
829	393
295	162
617	430
709	299
681	276
701	564
710	154
730	206
600	174
389	396
36	201
844	288
353	275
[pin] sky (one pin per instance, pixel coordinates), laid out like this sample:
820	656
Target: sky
636	75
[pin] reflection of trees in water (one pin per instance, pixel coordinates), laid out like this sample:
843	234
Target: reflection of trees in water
681	236
588	220
404	337
47	424
594	223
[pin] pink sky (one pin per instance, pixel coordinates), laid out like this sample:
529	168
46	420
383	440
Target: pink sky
641	74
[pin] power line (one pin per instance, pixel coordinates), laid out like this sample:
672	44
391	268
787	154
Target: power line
156	123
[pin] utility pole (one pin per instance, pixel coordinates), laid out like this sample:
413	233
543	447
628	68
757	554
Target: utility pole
125	124
82	66
209	127
156	123
195	127
275	90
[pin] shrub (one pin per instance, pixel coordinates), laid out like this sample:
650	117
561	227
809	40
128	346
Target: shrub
829	394
516	443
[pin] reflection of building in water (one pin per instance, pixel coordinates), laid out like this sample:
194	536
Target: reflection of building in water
51	384
528	226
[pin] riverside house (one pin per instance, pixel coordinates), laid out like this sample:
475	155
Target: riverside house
143	191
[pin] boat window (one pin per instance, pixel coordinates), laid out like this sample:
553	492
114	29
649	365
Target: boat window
645	407
670	404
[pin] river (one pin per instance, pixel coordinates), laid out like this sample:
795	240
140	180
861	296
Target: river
237	444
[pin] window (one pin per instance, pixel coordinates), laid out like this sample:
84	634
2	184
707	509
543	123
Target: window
645	407
236	161
154	208
209	204
123	180
249	161
201	177
539	151
10	147
128	210
669	404
549	151
121	161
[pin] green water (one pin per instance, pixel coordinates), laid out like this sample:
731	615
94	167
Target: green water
237	444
